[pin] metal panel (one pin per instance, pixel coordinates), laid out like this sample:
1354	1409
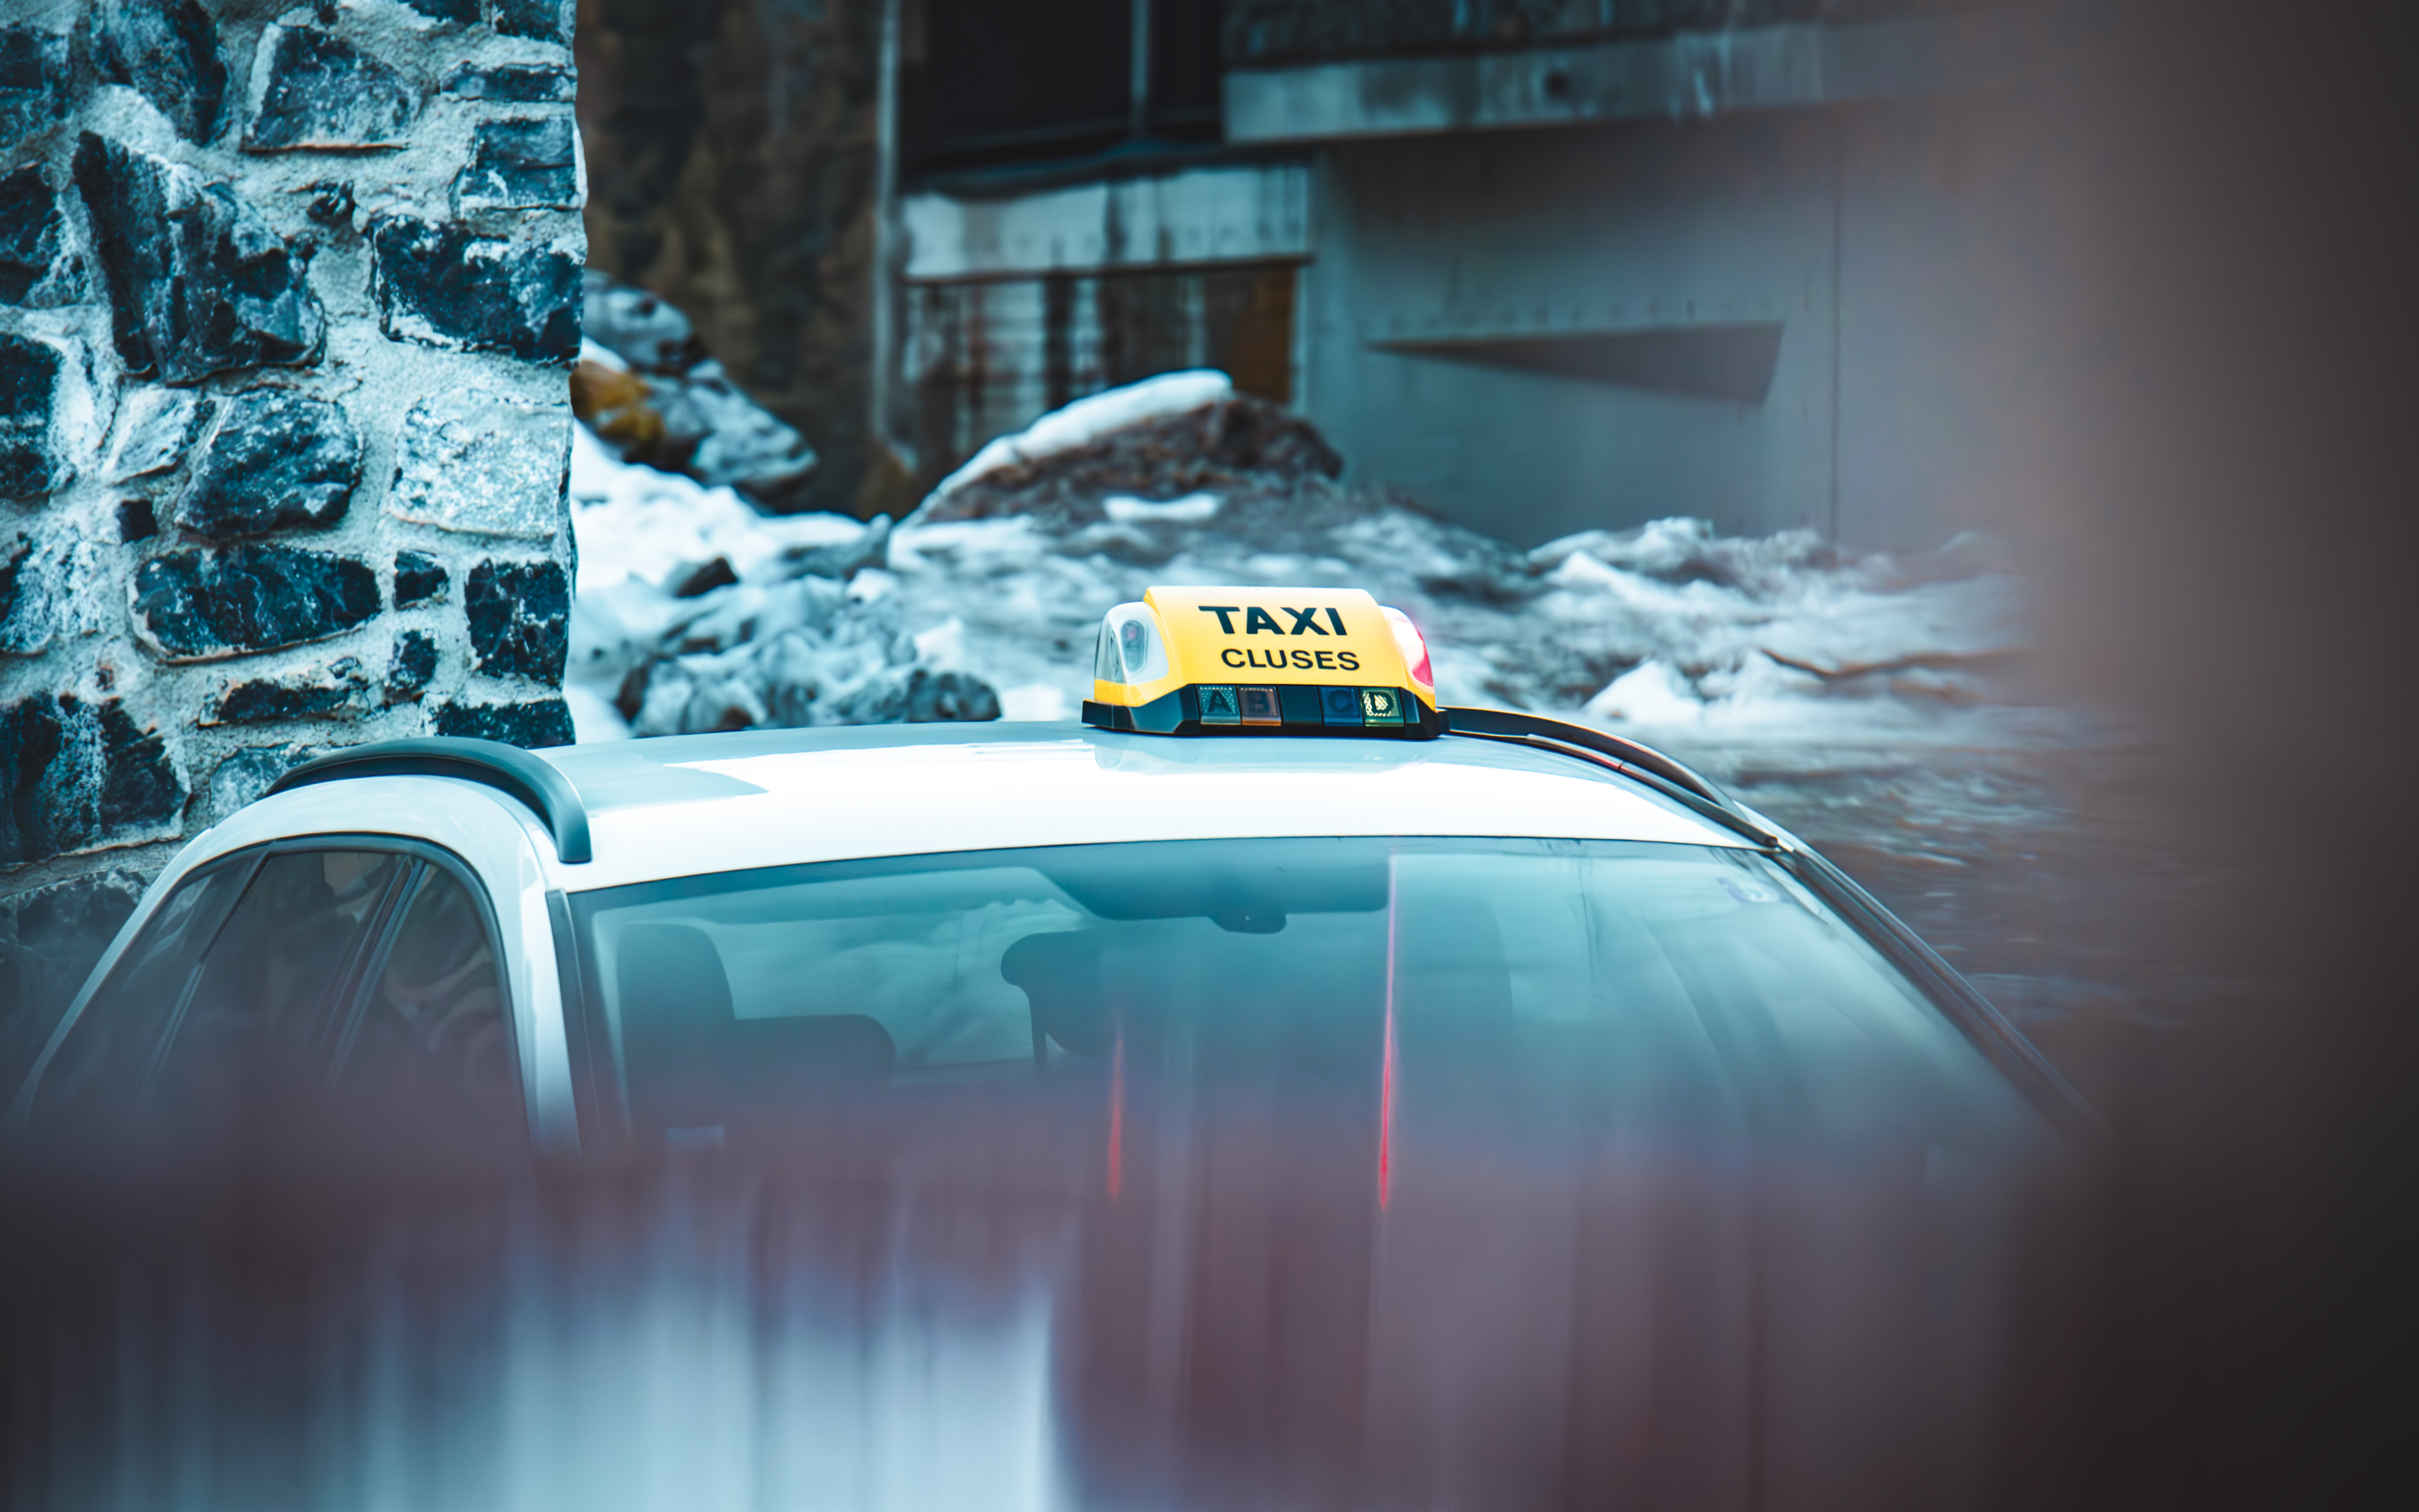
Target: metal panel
1519	332
1693	75
1257	213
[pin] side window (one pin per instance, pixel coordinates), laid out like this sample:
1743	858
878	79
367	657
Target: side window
109	1047
252	1024
431	1044
264	984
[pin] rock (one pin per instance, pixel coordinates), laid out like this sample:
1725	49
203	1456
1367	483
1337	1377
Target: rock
1248	451
198	605
46	593
521	84
167	51
846	559
34	79
474	460
338	688
536	723
460	12
25	607
331	203
540	20
446	286
638	327
419	578
915	695
135	521
35	267
520	619
245	776
745	446
198	284
704	578
15	622
154	428
521	165
277	458
614	402
313	89
31	374
685	415
410	667
75	774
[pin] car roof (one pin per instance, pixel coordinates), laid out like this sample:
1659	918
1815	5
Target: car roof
687	804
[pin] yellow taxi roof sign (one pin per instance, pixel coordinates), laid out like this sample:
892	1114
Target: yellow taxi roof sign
1262	660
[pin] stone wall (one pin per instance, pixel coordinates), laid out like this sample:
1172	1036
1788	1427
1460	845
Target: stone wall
288	296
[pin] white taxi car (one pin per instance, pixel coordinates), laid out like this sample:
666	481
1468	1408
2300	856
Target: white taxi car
1268	855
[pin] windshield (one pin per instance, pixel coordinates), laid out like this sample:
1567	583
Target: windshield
1489	986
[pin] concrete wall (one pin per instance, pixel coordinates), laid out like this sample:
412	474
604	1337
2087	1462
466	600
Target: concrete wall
287	299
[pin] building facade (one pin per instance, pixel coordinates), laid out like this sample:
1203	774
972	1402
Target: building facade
1542	266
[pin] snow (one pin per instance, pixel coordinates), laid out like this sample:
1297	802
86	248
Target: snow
1667	629
1088	419
1193	509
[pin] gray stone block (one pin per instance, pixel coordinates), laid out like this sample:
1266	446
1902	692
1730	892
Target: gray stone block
155	428
46	592
447	286
245	775
460	13
135	521
34	81
543	21
419	578
313	89
198	605
637	326
410	667
478	461
32	375
36	266
520	84
277	458
198	284
338	689
536	723
518	164
520	619
167	51
75	774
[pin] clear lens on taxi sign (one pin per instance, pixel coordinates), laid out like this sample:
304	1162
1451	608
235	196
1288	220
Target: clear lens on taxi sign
1262	661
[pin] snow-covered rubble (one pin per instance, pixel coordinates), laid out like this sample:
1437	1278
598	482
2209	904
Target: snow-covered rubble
695	611
644	385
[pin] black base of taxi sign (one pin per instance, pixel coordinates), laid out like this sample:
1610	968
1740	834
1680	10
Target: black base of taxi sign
1281	709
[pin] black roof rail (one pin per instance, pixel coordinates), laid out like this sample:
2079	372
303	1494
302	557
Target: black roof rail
506	768
1671	777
